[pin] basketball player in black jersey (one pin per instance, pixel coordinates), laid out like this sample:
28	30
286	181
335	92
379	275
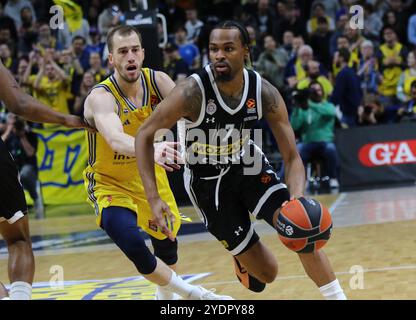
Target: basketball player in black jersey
226	96
14	226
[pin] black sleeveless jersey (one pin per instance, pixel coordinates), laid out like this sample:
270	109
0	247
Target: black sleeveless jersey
220	138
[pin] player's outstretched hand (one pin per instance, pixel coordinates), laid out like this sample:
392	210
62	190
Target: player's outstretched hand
167	155
72	121
163	217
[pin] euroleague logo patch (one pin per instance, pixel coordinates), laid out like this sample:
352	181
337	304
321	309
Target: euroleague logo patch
251	103
251	106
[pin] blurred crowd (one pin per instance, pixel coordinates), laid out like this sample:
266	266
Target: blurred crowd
332	70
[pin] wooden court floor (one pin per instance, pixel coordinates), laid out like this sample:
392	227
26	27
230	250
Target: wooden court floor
373	232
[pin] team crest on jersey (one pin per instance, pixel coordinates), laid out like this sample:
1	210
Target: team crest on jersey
251	106
211	107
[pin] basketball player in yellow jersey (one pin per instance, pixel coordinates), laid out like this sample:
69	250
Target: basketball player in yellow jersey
117	107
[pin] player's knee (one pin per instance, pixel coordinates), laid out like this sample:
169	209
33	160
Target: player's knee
166	250
268	274
134	247
20	245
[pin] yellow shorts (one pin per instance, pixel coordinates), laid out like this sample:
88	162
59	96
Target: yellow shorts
138	205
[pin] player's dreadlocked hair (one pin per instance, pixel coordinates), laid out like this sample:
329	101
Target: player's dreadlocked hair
244	36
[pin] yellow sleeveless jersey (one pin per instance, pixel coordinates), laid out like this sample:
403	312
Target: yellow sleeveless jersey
112	179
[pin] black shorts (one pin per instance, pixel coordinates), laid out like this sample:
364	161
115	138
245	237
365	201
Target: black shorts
12	198
224	203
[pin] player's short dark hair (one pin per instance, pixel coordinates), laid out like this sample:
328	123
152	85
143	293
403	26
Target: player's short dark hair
230	24
413	84
123	31
244	36
345	54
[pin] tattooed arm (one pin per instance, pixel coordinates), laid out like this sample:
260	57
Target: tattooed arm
275	112
184	101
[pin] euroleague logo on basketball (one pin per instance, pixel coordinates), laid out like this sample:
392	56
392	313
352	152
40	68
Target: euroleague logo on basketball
388	153
289	230
284	228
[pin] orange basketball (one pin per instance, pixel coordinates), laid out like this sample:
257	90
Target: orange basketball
304	225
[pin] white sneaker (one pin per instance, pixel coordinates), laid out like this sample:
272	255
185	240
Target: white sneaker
200	293
166	295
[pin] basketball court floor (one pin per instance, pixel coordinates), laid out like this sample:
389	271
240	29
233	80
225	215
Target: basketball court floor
372	251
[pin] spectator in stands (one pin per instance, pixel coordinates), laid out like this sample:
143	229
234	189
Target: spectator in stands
373	112
79	52
411	31
407	112
96	68
193	25
391	59
188	51
72	67
46	39
67	34
355	39
22	66
51	85
315	126
88	82
290	22
372	23
7	59
347	91
331	7
296	67
7	23
340	28
109	18
314	75
318	10
28	23
22	144
96	45
174	14
255	47
13	8
368	69
402	17
265	17
272	62
174	65
406	79
319	42
287	45
6	38
343	42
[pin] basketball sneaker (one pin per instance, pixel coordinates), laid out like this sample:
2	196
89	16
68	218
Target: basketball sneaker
200	293
246	279
166	295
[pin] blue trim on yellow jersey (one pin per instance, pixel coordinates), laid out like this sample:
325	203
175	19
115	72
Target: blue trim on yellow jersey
154	84
146	92
130	105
